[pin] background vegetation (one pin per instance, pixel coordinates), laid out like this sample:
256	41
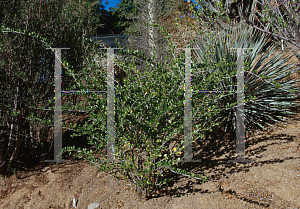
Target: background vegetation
26	113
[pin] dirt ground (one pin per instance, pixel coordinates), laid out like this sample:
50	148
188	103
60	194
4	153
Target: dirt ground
272	180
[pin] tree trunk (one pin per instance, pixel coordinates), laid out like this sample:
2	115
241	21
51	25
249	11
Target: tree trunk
13	136
151	7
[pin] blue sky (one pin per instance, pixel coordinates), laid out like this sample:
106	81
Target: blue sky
113	3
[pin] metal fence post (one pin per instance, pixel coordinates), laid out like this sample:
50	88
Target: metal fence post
240	132
57	109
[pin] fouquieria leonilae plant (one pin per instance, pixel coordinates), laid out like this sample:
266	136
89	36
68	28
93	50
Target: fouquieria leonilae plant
145	145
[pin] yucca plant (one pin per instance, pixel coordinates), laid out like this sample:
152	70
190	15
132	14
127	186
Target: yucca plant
270	92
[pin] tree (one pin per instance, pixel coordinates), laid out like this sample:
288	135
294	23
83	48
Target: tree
282	16
143	15
116	19
278	18
26	103
85	9
122	15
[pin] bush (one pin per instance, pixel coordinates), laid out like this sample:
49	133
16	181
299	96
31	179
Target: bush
149	114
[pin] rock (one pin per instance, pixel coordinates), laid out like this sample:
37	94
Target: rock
93	206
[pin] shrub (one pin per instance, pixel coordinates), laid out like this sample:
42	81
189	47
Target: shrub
149	113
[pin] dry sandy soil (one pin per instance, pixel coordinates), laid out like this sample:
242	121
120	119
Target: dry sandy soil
272	180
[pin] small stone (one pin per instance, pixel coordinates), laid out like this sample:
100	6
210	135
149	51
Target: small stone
93	206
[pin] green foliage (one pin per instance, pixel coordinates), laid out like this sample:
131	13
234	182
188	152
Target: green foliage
27	29
149	113
149	105
124	12
117	19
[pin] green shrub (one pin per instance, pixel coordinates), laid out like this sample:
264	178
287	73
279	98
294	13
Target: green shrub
150	112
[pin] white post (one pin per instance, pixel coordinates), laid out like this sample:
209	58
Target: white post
151	7
57	110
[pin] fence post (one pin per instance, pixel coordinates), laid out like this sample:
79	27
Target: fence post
57	109
240	132
110	106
